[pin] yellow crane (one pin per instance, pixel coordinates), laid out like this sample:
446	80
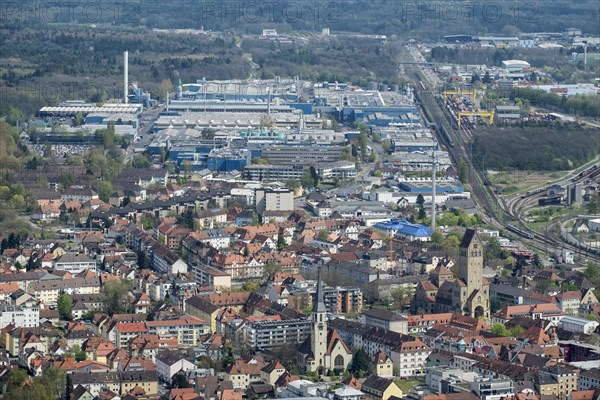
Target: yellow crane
459	92
486	116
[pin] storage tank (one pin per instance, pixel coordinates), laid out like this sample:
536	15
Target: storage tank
371	85
382	87
395	88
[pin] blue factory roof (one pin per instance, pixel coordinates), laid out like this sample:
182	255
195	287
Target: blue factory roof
404	227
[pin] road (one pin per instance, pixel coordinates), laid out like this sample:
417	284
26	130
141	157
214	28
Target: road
143	137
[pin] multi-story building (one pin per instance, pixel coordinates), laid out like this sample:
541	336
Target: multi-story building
556	380
385	319
580	325
25	316
186	329
569	302
411	357
589	379
272	333
303	155
274	200
273	172
338	300
117	381
74	263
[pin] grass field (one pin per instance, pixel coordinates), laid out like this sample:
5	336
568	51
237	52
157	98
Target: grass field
409	384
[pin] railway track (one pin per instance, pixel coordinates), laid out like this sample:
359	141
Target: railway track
458	144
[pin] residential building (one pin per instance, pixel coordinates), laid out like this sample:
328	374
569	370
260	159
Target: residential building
274	200
74	263
381	388
169	362
385	319
556	380
25	316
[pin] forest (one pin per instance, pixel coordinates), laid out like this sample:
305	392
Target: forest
419	20
550	146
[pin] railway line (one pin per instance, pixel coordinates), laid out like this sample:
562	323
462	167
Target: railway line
457	143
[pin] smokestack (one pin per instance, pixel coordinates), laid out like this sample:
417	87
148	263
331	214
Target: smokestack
433	189
125	76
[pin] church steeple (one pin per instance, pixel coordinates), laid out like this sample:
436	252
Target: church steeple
319	305
319	331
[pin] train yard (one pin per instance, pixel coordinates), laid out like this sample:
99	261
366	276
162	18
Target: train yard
454	117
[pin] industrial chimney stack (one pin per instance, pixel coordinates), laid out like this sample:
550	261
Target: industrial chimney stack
125	77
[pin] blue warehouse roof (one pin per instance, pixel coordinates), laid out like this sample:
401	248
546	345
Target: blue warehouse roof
404	227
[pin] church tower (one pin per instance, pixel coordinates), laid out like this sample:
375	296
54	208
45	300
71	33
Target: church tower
319	332
471	261
476	301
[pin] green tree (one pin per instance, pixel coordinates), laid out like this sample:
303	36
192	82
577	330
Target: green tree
180	381
292	184
323	234
141	161
363	141
65	305
103	188
186	219
487	78
250	286
387	146
108	136
500	329
58	377
463	171
372	157
115	296
594	204
420	200
437	237
360	363
80	355
307	180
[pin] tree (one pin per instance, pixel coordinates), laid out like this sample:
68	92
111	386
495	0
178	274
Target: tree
363	141
292	184
475	77
463	171
115	296
108	136
140	161
57	377
420	200
250	286
307	180
80	355
500	329
422	214
387	145
323	234
65	305
180	381
360	363
372	157
594	204
487	78
437	237
186	219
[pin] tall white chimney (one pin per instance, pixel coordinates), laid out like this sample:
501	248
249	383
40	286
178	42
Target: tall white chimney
125	76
